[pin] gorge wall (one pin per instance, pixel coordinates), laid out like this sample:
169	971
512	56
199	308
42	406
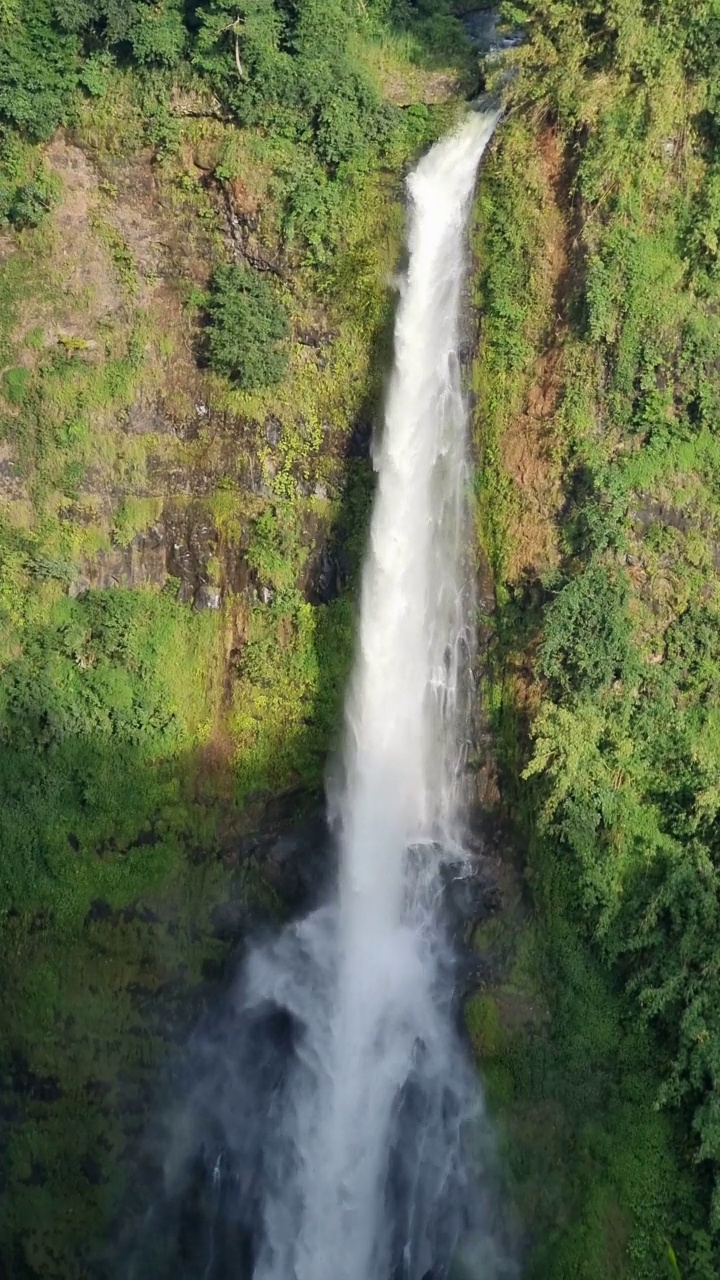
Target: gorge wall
178	564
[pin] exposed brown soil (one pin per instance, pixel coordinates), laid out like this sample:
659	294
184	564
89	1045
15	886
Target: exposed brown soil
529	449
81	265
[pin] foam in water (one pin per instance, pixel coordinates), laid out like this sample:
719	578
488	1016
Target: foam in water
354	1159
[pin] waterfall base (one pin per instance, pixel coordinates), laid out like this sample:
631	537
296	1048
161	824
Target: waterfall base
226	1141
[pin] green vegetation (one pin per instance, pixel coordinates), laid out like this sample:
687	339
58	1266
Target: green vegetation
180	523
247	327
93	716
143	729
308	71
598	278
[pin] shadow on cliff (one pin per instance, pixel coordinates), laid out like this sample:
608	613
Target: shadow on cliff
133	882
133	909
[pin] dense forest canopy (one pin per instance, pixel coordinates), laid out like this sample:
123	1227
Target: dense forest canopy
261	56
301	71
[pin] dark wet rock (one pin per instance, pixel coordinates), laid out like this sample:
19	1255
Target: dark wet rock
180	544
39	922
145	915
30	1085
482	28
142	563
327	575
471	891
10	1113
92	1172
653	512
273	431
99	910
360	439
97	1088
287	809
213	971
37	1176
231	921
207	597
315	338
191	540
147	418
297	862
664	513
146	839
12	485
296	865
476	969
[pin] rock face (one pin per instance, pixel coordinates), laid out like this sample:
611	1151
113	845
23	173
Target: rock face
184	544
482	28
167	440
328	573
143	563
296	862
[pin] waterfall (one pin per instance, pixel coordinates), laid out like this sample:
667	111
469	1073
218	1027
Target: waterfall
406	715
361	1156
377	1038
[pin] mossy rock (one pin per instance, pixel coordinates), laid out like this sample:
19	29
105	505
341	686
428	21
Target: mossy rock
482	1019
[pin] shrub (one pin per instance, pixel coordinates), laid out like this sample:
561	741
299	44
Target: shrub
31	202
248	328
15	383
587	632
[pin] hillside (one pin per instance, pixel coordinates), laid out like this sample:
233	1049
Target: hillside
597	386
196	301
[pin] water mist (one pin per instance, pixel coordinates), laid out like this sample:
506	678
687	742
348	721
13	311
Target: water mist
342	1124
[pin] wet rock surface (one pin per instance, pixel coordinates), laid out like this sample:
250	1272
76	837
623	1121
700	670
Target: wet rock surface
183	544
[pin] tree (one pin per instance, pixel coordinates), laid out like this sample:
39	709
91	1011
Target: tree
38	70
248	328
587	632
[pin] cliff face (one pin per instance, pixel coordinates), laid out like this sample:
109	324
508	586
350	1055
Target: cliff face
178	562
596	417
178	557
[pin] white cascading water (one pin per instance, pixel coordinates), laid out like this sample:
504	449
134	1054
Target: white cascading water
351	1159
375	1011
